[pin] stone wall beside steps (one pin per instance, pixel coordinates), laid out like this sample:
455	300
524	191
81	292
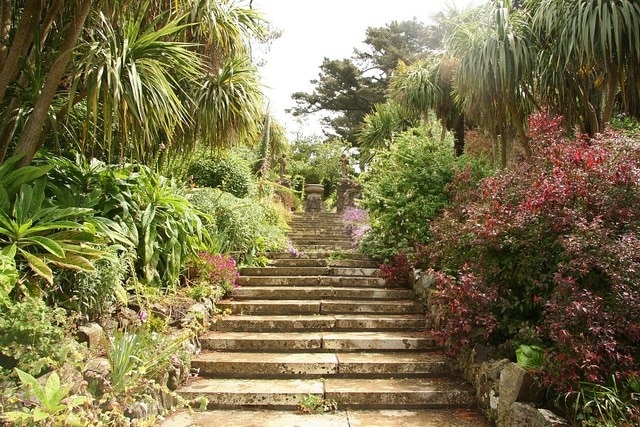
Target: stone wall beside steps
504	390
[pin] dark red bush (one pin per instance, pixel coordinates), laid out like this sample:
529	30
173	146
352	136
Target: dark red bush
398	272
461	310
557	240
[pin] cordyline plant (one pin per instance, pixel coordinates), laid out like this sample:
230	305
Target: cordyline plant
557	240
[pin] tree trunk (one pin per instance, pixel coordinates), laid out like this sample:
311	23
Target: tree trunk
5	27
30	141
19	45
458	135
612	90
503	150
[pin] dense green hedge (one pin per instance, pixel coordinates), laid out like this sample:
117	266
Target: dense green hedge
404	189
226	172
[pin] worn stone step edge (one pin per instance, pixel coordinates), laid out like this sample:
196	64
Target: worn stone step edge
321	292
315	322
320	306
320	255
348	393
306	365
458	417
347	281
317	341
305	262
310	271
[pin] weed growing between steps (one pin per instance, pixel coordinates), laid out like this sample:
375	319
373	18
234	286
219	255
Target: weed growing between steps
314	404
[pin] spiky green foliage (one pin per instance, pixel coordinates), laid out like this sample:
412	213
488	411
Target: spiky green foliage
494	75
228	104
133	76
589	55
379	128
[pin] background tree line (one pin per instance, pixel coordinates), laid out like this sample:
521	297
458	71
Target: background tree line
492	65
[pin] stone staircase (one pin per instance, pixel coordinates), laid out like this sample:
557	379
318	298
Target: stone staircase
323	326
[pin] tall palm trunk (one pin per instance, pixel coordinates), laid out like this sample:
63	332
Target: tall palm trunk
458	135
30	141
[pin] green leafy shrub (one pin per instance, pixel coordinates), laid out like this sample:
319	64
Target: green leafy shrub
246	226
95	293
33	336
404	189
225	172
53	406
8	274
317	162
137	208
43	233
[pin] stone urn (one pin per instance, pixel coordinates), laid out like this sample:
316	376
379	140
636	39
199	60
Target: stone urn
314	197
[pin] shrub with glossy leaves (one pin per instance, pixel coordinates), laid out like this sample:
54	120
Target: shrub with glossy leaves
398	272
223	171
461	310
404	190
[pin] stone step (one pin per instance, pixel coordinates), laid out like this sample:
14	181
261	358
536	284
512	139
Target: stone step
306	242
399	392
310	222
302	226
264	306
263	393
327	247
334	230
348	393
342	263
319	255
320	292
322	235
337	231
457	417
319	235
310	271
316	341
341	281
316	322
307	365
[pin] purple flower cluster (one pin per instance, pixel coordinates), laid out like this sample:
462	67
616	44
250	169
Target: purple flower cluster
295	253
356	224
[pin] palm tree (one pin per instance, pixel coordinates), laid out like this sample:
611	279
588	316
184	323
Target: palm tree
141	71
228	104
133	77
494	76
379	127
427	85
590	57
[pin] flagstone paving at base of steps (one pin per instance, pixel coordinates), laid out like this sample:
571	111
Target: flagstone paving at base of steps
322	325
377	418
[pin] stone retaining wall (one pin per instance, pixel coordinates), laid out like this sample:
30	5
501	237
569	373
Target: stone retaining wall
505	391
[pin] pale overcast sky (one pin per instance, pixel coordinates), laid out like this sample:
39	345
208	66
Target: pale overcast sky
313	30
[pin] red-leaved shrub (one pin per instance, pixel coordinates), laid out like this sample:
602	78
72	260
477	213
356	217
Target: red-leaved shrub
462	313
398	272
557	240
